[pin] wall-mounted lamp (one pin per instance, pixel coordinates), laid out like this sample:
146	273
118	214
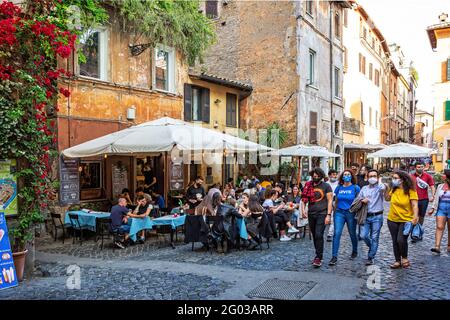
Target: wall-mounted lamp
216	124
217	101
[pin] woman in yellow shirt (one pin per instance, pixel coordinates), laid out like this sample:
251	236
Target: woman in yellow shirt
404	208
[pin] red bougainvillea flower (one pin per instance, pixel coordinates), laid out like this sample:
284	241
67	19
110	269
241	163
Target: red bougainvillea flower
7	32
65	92
9	9
6	72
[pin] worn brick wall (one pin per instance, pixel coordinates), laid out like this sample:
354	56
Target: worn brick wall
257	42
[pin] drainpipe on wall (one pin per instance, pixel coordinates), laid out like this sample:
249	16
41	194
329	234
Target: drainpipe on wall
331	75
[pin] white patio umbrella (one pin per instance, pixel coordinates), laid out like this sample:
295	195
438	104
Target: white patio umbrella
160	136
402	150
305	151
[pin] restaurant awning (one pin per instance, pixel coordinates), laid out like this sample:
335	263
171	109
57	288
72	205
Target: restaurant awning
305	151
402	150
160	136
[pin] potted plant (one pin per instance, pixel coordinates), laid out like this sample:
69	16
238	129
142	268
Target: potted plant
22	234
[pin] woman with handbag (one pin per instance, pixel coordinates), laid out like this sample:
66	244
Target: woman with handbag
441	206
346	192
404	208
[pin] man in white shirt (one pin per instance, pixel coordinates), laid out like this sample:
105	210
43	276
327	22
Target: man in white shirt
333	181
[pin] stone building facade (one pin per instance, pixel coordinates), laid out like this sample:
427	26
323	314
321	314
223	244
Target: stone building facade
276	46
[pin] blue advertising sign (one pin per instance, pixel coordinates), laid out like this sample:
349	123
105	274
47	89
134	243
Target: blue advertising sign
8	277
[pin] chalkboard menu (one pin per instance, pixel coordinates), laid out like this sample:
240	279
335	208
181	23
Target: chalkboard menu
176	175
119	178
305	168
69	187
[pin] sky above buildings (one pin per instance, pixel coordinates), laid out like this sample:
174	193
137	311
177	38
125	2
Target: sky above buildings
404	22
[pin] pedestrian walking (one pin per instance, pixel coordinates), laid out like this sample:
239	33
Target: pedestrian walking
404	208
333	181
373	195
423	182
441	206
319	197
346	192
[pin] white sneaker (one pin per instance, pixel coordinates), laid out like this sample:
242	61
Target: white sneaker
293	230
285	238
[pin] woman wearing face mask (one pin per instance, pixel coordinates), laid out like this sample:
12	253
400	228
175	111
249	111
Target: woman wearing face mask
404	208
441	206
345	194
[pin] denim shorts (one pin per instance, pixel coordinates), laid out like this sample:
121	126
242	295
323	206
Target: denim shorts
444	212
125	228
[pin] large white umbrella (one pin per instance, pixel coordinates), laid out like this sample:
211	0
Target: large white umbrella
402	150
305	151
159	136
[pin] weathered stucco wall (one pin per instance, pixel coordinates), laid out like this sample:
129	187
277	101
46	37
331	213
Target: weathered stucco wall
257	42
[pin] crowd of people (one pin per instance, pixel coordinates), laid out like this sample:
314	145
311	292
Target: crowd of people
354	198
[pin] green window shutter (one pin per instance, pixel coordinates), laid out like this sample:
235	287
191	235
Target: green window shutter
447	111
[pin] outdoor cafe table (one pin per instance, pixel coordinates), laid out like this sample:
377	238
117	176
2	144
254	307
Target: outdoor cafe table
87	220
173	222
139	224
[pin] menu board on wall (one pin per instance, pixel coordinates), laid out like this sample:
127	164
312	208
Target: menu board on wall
8	187
69	187
176	175
119	178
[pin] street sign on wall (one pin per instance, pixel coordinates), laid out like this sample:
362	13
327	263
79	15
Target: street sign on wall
69	186
8	277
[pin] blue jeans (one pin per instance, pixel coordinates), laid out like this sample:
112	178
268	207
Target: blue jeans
340	218
371	233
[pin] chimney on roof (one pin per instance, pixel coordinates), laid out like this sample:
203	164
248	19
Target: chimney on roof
443	17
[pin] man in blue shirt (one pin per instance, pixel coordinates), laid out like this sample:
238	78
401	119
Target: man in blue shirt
373	196
119	221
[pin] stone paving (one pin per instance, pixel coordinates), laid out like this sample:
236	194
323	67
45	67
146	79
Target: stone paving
427	278
116	284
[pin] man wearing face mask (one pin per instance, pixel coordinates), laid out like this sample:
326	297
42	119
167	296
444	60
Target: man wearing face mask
423	181
373	194
333	182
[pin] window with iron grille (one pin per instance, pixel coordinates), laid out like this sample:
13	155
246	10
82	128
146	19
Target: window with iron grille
211	9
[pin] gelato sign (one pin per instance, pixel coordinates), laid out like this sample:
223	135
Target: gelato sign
8	277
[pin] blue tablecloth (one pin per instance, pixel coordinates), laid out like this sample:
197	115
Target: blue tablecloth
242	228
139	224
87	220
170	220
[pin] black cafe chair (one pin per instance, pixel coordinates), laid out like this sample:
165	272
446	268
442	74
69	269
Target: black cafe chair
75	223
58	224
104	229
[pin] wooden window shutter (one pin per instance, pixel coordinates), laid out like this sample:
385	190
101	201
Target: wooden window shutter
312	127
231	111
187	102
448	69
447	111
205	104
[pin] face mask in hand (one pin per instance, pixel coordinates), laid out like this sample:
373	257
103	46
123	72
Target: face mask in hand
373	180
396	182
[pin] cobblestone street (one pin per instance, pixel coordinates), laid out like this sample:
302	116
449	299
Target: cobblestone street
155	271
